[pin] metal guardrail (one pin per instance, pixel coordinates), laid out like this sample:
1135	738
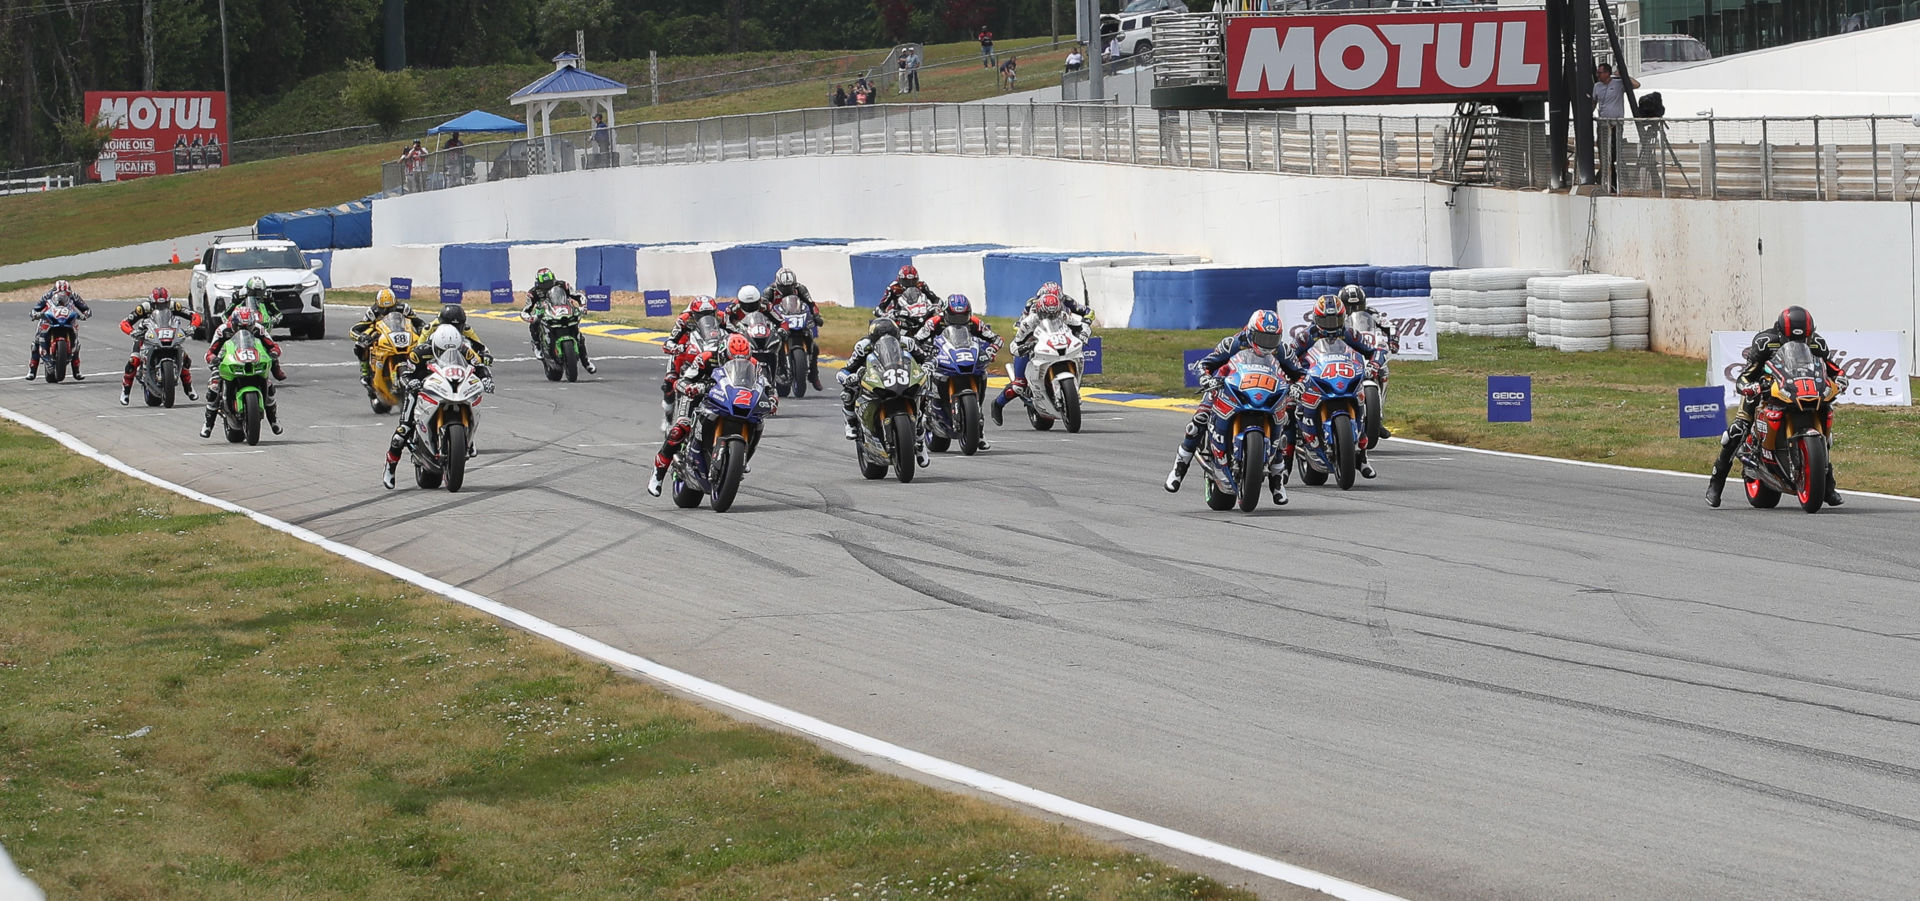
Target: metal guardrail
1813	159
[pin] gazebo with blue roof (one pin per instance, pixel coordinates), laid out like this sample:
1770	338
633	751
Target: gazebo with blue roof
567	82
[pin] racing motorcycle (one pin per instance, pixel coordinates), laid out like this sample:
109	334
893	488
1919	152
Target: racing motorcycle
1327	408
444	421
1053	375
958	378
766	341
888	408
912	311
1372	392
244	365
163	350
798	349
388	343
59	320
726	426
559	345
1241	432
1785	451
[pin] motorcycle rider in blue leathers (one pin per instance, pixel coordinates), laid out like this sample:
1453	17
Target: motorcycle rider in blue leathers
1263	335
1329	320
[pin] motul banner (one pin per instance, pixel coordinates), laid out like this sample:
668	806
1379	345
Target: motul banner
1390	55
159	133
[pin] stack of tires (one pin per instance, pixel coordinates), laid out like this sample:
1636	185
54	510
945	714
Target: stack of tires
1489	303
1582	313
1379	281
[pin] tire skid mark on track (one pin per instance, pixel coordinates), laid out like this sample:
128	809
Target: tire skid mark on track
586	554
635	514
451	502
1679	656
893	568
1377	622
1694	683
1353	556
1853	760
1787	794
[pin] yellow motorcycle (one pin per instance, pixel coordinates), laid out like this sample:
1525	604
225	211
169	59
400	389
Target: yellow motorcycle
1786	449
389	342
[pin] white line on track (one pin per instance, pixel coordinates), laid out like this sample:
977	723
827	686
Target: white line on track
219	453
615	444
752	706
140	415
355	425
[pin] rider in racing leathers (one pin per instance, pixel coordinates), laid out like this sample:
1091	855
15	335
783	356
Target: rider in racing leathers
959	311
1794	324
136	324
242	318
785	285
692	382
445	337
363	331
1329	320
908	280
683	350
879	328
1067	301
542	293
62	290
1049	306
1262	335
1355	299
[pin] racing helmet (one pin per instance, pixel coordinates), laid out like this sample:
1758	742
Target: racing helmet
256	287
1263	330
909	276
1052	288
62	287
1354	297
544	278
702	306
749	297
1329	314
244	318
453	314
446	338
785	278
1049	306
959	309
385	300
738	347
1794	324
160	299
882	326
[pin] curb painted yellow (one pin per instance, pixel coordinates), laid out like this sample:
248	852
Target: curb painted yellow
639	335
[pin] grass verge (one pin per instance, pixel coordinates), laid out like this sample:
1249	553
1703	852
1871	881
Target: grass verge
196	707
1613	407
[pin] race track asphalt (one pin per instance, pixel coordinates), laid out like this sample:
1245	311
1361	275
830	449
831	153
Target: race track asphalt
1477	677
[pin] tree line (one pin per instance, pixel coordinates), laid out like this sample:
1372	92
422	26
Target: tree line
53	51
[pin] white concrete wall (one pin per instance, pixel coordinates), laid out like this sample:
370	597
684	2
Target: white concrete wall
1711	264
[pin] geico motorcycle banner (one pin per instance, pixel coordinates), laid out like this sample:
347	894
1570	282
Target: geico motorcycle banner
1412	319
159	133
1876	362
1400	55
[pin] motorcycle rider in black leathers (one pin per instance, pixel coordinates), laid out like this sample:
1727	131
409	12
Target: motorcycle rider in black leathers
542	292
785	285
1329	320
59	288
908	279
136	325
241	318
444	337
1355	299
1794	324
857	363
1262	334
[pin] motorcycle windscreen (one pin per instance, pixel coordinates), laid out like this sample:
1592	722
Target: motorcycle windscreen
741	374
1796	360
1331	346
244	341
957	336
791	306
160	319
707	332
756	325
1361	321
887	353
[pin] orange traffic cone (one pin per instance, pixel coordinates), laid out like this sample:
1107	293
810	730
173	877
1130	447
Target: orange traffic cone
176	255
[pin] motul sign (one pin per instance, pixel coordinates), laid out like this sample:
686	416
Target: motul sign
157	133
1396	55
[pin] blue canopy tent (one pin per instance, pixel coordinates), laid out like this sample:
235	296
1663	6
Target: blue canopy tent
476	122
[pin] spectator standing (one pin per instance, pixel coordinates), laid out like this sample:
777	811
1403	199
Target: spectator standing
900	79
1610	107
602	135
1113	49
839	96
986	48
415	158
913	71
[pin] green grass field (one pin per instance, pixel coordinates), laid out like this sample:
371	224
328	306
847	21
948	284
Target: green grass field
197	707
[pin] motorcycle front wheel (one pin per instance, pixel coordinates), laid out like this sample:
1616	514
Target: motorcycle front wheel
1069	404
904	438
1344	455
1813	471
798	371
970	424
570	361
733	459
1253	470
453	446
250	415
169	382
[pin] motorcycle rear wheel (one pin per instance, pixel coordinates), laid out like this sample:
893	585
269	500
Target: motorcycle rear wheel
1040	421
733	459
453	445
424	477
869	470
1253	471
1760	494
904	437
1217	499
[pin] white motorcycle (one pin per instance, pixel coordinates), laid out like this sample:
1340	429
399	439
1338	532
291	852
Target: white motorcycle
444	420
1373	396
1053	375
